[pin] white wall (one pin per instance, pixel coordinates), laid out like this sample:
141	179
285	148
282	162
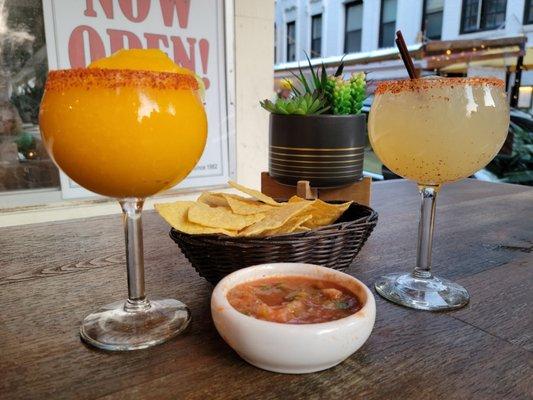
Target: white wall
254	53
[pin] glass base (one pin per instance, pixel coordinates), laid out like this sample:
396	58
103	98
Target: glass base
134	325
434	294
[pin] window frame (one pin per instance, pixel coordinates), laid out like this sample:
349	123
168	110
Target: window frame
346	7
462	30
380	38
313	19
287	43
423	26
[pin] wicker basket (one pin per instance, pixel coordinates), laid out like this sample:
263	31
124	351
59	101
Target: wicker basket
334	246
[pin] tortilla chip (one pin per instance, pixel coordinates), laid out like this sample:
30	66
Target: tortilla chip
293	224
295	199
275	219
212	199
243	206
302	229
255	194
220	217
176	215
324	213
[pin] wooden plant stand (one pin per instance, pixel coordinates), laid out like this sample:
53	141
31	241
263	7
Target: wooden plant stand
358	191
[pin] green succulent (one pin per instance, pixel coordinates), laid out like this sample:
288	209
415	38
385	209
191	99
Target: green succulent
321	93
346	97
357	91
306	104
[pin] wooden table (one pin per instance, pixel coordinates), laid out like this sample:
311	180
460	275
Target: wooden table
54	274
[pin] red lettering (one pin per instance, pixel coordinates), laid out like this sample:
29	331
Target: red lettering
116	38
107	6
179	7
153	40
143	7
76	46
203	44
180	54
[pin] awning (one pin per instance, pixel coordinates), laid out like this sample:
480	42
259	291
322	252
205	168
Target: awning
459	55
447	55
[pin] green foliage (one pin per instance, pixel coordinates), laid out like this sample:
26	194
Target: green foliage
321	93
28	102
346	97
518	166
306	104
357	91
25	142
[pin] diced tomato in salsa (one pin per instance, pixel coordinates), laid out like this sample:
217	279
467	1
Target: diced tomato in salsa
294	300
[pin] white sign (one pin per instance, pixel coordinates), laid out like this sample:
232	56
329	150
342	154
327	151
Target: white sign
194	33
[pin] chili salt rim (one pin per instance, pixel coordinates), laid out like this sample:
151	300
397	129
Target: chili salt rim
113	78
412	85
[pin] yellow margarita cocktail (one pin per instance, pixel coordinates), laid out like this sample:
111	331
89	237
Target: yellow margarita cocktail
434	131
128	127
120	130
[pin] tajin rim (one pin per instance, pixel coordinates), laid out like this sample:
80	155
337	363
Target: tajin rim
89	78
421	84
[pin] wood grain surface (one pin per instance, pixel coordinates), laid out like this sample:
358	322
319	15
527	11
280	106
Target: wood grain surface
54	274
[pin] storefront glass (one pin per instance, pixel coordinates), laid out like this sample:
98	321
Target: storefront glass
24	163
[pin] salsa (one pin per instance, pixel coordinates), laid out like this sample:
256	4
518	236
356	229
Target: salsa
294	300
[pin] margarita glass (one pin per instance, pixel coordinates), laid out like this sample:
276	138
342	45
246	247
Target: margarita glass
127	127
434	131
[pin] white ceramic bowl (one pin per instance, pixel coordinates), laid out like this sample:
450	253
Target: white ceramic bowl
290	348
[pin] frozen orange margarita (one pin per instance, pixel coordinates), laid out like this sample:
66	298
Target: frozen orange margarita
129	125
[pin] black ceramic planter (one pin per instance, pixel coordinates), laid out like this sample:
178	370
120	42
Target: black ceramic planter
326	150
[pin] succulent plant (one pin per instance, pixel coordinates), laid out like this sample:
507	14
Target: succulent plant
306	104
321	93
346	97
357	91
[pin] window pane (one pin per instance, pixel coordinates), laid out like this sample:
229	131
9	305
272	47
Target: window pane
387	23
528	17
354	17
353	42
434	5
493	13
24	163
316	29
316	35
469	15
291	41
388	34
353	27
275	43
389	11
434	25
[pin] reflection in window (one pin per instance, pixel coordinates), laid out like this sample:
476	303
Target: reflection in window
478	15
353	27
291	41
24	163
432	19
316	36
387	24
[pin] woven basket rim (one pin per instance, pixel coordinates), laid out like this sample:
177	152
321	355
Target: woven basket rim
337	226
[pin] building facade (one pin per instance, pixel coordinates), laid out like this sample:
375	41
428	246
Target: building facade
325	28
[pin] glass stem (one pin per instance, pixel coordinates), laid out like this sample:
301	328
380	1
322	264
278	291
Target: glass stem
131	215
425	232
